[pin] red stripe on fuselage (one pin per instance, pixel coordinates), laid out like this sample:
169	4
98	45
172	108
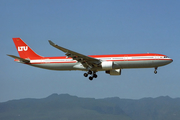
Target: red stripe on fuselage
106	60
137	59
126	55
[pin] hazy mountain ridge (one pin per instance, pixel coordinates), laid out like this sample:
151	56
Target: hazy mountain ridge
67	107
160	108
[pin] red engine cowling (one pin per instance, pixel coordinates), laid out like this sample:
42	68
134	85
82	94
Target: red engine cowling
114	72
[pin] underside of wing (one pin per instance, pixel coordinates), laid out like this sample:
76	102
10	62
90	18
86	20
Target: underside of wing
85	60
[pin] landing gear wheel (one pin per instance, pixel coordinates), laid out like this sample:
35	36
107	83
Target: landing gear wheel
85	74
89	72
90	78
94	75
155	71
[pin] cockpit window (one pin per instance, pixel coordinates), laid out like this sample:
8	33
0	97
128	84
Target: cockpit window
165	56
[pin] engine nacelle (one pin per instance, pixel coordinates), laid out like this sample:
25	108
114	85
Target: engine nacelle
114	72
107	65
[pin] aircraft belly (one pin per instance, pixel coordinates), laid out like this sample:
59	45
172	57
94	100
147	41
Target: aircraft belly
55	66
139	64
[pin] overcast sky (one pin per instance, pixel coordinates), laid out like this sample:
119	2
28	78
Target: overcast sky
90	27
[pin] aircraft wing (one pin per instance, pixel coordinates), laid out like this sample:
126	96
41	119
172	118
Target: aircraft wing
85	60
20	59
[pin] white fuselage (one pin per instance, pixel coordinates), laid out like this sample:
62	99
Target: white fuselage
119	62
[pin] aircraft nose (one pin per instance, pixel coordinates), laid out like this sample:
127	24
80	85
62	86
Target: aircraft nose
170	60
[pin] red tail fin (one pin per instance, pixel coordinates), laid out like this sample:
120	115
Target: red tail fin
24	50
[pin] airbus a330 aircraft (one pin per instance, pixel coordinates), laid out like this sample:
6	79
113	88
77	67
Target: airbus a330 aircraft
111	64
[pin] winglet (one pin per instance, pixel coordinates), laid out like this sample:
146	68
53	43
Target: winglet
51	43
58	47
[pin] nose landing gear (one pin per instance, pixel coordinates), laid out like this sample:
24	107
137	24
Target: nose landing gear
93	74
155	71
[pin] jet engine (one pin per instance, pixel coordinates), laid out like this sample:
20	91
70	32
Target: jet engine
107	65
114	72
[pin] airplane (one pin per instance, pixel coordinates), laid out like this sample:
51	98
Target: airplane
111	64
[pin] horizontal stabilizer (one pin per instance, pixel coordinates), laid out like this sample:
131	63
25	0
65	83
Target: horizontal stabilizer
20	59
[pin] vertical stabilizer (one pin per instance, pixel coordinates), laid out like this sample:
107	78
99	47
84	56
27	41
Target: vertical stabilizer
24	50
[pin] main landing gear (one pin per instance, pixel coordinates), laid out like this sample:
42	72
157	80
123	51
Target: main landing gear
93	74
155	71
